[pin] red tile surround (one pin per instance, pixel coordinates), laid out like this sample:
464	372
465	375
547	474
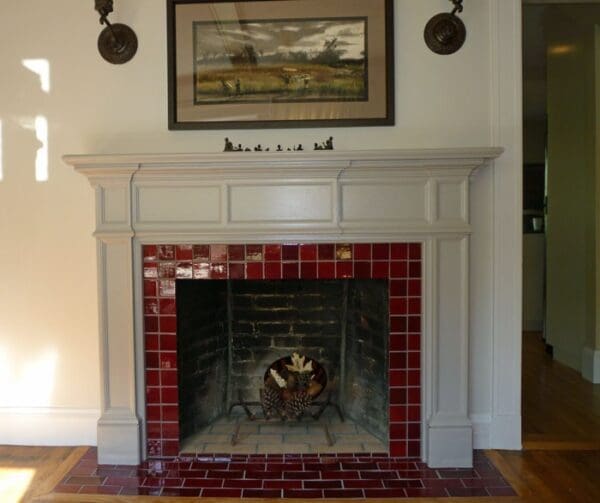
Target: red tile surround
399	263
300	476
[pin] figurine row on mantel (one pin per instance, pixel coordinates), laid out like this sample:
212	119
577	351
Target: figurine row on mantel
230	147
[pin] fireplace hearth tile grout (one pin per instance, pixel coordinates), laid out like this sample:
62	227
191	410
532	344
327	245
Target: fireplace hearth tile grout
324	476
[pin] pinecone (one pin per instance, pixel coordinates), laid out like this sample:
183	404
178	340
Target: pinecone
303	379
271	401
297	405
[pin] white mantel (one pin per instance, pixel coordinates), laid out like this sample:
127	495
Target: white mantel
387	196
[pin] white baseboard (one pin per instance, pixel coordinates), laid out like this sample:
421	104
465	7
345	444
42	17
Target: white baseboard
505	432
48	426
590	365
481	430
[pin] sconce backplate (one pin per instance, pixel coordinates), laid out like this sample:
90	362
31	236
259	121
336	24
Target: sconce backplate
445	33
117	43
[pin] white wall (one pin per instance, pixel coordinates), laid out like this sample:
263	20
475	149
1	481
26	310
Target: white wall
571	233
48	287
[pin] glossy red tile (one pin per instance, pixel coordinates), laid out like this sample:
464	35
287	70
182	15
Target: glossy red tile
201	270
166	252
343	270
218	253
150	288
326	270
415	251
326	252
166	270
221	493
380	270
362	270
168	377
273	270
282	484
166	287
398	378
398	448
398	431
167	324
381	251
169	395
167	306
168	360
308	270
343	251
184	270
218	271
254	253
184	252
152	359
290	270
236	271
168	342
414	269
152	342
398	413
398	269
302	494
308	252
290	252
254	271
201	252
236	253
272	252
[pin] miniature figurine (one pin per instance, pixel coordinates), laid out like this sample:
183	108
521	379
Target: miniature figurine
258	148
329	143
228	146
279	149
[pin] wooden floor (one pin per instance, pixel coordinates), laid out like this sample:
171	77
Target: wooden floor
561	462
560	409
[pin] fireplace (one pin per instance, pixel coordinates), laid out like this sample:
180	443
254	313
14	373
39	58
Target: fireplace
355	308
376	205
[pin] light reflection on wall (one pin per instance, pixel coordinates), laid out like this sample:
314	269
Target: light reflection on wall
40	67
27	384
41	158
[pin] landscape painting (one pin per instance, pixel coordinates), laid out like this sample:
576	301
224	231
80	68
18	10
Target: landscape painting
281	61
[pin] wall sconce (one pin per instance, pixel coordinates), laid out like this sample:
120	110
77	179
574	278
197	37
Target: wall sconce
117	43
446	33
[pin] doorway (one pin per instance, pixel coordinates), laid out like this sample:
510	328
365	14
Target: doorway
561	283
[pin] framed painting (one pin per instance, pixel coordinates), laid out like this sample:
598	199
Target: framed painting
280	63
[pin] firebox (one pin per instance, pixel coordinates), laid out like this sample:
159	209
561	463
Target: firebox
218	317
329	391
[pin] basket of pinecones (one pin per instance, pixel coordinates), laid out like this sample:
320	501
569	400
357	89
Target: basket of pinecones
292	384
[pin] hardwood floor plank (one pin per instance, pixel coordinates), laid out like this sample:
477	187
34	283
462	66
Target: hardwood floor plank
559	406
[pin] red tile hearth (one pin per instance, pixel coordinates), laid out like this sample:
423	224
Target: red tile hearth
285	476
399	263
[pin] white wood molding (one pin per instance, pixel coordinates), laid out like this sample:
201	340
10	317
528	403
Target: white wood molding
367	196
590	364
506	78
48	426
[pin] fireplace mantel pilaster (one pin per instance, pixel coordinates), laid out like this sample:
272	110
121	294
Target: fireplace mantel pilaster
370	196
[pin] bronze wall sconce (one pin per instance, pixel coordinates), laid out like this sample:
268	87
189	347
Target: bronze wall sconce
117	43
446	33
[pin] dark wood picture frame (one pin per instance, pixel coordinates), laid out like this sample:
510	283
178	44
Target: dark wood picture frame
220	77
